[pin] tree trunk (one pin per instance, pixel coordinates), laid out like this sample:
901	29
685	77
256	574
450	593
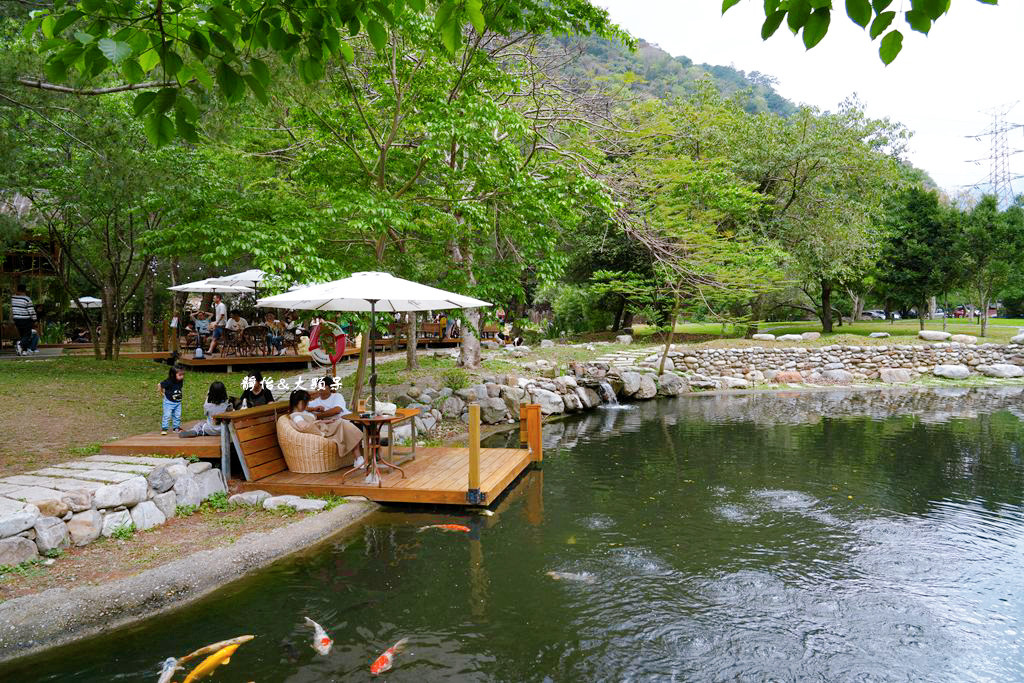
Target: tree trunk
147	310
178	302
756	313
826	306
920	317
107	322
411	361
984	316
668	337
357	389
617	325
469	356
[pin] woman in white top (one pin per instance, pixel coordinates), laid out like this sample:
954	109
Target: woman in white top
327	403
342	432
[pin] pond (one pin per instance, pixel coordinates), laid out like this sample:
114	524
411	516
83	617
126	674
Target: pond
743	537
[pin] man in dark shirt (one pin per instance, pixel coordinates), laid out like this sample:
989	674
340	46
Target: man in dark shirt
24	315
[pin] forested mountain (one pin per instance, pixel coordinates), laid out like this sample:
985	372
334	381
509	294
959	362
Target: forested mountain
650	71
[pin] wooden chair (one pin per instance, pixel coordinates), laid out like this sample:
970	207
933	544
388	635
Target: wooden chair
230	343
254	340
291	340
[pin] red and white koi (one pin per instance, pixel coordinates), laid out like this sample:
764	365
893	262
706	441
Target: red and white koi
446	527
386	660
321	641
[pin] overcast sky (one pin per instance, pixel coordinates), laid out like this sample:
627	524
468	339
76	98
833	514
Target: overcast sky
940	86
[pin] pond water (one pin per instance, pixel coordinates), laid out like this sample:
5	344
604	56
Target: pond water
706	538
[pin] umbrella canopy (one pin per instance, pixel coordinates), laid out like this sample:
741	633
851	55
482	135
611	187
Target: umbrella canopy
205	286
370	292
90	302
247	278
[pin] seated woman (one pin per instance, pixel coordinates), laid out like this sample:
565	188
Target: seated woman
342	432
275	334
257	394
216	402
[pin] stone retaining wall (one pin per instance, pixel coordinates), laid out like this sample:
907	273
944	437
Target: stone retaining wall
77	502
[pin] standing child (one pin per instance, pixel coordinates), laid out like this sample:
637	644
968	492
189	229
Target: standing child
171	392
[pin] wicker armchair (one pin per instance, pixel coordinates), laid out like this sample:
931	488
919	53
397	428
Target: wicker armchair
307	453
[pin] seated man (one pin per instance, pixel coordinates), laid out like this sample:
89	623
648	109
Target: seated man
327	403
201	320
236	323
275	335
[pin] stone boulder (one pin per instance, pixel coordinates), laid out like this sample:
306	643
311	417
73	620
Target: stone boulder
195	468
13	523
790	337
671	384
550	402
186	491
147	515
624	339
951	371
810	336
493	410
78	500
648	388
275	502
249	498
178	470
878	335
472	394
85	527
1001	370
452	407
547	344
209	483
763	337
52	507
1018	339
837	376
572	402
112	521
161	479
51	533
588	397
309	505
934	335
894	375
14	551
129	492
788	377
630	383
732	383
167	503
964	339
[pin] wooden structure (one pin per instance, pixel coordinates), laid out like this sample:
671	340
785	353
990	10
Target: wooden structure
153	443
447	476
229	363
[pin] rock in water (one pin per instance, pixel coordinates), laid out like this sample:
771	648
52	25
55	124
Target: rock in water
550	402
14	551
147	515
670	384
630	383
648	387
85	527
838	376
951	371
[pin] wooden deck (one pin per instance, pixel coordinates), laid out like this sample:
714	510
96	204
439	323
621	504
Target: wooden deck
152	443
436	476
229	363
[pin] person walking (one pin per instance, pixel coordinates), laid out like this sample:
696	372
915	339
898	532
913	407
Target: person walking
24	315
220	321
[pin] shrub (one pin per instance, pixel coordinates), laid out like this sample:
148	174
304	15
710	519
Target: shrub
218	501
455	378
123	532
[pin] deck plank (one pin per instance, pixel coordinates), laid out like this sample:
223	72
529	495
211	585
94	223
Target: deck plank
153	443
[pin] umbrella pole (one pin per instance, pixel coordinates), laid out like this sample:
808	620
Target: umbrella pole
373	357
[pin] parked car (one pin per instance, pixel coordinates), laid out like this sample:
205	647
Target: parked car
873	314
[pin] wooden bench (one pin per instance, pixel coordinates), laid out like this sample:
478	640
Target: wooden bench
252	433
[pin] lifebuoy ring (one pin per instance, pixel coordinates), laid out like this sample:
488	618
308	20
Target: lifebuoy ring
338	337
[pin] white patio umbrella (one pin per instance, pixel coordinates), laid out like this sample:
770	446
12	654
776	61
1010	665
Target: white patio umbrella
247	278
89	302
373	291
206	286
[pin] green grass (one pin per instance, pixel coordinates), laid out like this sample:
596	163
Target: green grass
333	501
998	333
123	532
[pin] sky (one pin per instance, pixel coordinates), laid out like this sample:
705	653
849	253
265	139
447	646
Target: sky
942	86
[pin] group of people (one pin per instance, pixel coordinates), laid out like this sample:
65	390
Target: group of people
318	411
209	329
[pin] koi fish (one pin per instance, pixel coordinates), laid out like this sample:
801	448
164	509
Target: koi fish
385	661
208	665
582	577
485	512
446	527
214	647
167	670
321	641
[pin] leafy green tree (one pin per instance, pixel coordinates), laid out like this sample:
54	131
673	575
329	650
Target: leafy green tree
919	258
990	244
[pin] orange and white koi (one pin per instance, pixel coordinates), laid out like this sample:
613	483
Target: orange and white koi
167	670
446	527
386	660
321	641
210	664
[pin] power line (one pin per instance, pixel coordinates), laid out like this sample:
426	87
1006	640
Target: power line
1000	179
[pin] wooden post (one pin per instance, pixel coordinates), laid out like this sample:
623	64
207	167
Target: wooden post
530	414
473	494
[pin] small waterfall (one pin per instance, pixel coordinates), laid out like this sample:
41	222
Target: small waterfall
607	393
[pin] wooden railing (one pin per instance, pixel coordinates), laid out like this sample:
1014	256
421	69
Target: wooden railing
529	433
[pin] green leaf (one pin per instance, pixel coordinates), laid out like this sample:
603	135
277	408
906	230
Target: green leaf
919	21
880	5
799	12
47	26
172	62
159	129
132	72
202	75
816	27
354	26
418	5
772	23
821	4
55	70
890	46
231	84
260	71
444	15
199	45
222	43
31	27
859	11
257	88
347	53
83	37
184	105
149	59
378	35
933	8
278	39
311	70
115	51
474	10
91	6
770	6
66	20
881	23
726	4
165	98
451	36
186	129
142	102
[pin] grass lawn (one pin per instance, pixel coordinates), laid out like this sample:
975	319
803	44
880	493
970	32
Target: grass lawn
54	410
999	329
